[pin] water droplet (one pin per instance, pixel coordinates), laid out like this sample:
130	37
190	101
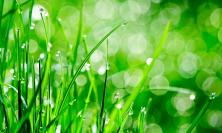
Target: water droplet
23	46
107	66
49	46
86	67
117	95
119	105
79	113
42	56
71	103
59	19
192	97
107	120
143	110
213	95
102	70
149	61
12	71
58	53
130	112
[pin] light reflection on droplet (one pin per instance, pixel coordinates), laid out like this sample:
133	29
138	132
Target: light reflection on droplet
149	61
42	56
37	10
58	129
192	97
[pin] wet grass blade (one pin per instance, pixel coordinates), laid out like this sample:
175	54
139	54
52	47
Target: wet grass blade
79	36
83	63
102	116
140	85
199	115
27	48
40	95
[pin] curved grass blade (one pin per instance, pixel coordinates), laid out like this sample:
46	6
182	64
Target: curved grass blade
140	85
83	63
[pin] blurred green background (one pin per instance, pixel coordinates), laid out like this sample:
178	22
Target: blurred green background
191	58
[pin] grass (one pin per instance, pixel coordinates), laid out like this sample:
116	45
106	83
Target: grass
42	98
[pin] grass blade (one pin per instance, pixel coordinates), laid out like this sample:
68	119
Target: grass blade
200	114
79	36
83	63
102	116
140	85
13	10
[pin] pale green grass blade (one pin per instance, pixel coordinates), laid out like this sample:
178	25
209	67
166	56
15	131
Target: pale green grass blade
79	36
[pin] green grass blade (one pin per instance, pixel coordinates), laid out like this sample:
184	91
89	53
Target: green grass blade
1	11
83	63
140	85
2	103
102	116
200	114
79	36
13	10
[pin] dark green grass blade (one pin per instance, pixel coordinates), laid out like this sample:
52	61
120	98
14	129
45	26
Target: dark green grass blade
27	48
40	95
83	63
102	116
140	85
41	85
199	115
19	75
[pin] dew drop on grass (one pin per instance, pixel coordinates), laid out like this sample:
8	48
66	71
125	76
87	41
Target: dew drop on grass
106	120
143	110
42	56
212	96
192	97
12	71
149	61
130	112
58	129
23	46
49	46
86	67
32	26
58	53
79	114
119	105
102	70
71	103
